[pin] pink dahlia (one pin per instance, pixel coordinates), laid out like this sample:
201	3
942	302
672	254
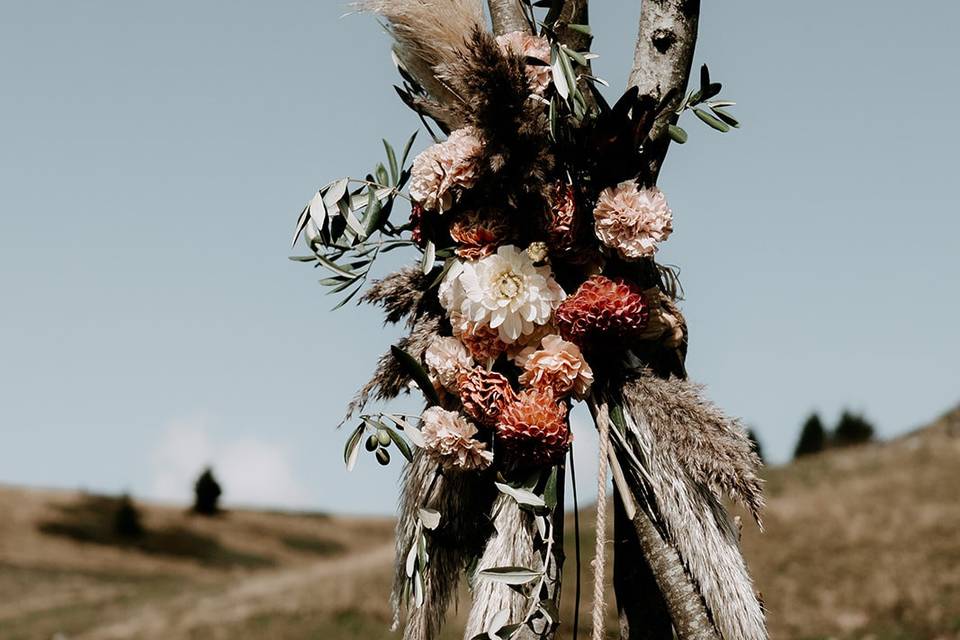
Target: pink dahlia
604	313
526	45
449	440
445	358
557	365
632	220
533	429
444	167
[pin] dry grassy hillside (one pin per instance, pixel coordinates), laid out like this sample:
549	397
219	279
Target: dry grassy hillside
860	543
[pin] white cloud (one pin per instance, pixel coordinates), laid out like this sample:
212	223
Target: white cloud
251	470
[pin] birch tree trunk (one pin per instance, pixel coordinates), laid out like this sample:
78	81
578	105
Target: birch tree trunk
508	16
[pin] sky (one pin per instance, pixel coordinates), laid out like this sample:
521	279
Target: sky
154	157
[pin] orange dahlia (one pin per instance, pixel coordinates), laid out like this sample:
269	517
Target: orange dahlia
479	234
533	429
483	394
483	343
604	313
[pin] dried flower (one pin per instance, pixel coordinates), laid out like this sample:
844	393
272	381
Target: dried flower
505	291
478	235
449	440
560	215
416	224
604	313
527	46
483	394
483	343
533	429
445	166
632	220
446	357
558	365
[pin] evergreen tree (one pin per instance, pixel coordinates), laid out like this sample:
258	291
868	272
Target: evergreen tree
813	437
755	442
853	429
207	493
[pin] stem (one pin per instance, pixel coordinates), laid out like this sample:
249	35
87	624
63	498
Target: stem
576	544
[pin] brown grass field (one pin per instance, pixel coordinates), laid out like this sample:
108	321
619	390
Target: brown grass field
859	543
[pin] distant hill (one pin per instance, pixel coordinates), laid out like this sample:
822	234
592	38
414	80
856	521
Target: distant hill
859	543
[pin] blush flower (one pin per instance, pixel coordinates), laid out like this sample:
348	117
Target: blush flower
604	313
533	429
558	365
505	291
483	394
445	358
449	440
526	46
631	220
444	167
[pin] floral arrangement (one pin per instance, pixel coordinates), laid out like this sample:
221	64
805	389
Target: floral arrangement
537	223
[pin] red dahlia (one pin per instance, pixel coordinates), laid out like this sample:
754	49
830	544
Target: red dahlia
604	313
533	429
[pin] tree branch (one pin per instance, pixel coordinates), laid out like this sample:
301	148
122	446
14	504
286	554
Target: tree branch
661	65
507	16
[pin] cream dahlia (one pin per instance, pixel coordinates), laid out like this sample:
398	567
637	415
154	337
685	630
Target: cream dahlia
533	429
483	394
449	440
446	357
632	220
526	45
558	365
604	313
505	291
446	166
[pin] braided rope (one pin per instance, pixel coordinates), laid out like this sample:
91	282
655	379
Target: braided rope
599	558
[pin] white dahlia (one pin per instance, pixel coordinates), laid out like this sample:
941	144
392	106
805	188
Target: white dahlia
504	291
445	358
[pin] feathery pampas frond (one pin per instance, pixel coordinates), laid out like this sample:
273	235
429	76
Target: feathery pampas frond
713	447
399	293
495	98
511	546
429	34
461	499
389	378
689	511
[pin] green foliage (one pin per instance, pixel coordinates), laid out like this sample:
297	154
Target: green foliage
206	494
813	437
347	229
711	112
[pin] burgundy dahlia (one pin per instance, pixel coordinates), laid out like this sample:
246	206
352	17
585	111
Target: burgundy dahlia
604	313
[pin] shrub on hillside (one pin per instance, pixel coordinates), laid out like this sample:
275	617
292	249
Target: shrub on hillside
207	494
126	519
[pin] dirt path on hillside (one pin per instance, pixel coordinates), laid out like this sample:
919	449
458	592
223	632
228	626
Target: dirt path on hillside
284	590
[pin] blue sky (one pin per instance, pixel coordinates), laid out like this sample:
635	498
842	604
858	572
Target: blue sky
153	158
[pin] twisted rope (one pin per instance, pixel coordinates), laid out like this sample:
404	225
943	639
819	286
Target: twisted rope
599	558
